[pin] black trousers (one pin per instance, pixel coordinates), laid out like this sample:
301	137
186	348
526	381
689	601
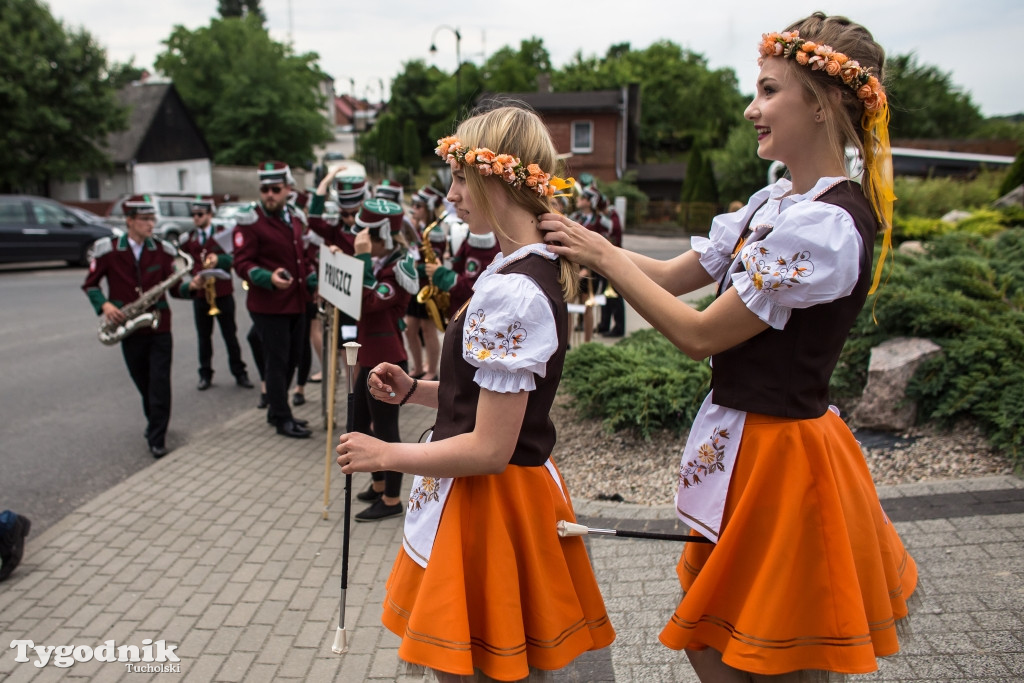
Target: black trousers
306	354
280	335
384	419
257	350
148	357
613	313
228	330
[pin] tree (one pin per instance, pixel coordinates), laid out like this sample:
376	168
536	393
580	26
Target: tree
508	70
924	102
699	184
683	99
1014	177
58	107
741	172
411	145
240	9
121	74
252	97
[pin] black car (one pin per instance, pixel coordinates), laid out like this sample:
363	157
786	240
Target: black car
40	229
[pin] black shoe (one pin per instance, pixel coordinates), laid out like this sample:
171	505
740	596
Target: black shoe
12	545
263	402
613	333
298	399
290	429
378	511
159	451
204	384
301	423
369	495
243	381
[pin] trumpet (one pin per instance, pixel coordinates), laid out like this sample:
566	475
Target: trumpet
210	285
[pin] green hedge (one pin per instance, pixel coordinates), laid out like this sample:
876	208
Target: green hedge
643	383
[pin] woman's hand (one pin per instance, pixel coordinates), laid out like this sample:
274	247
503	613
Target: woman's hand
360	453
568	238
388	383
362	243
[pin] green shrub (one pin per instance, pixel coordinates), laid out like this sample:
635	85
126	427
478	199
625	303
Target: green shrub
643	383
966	295
935	197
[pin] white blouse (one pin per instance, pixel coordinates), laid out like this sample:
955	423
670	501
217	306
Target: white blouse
799	253
509	331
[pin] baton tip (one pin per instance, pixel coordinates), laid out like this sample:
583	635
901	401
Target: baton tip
340	646
569	529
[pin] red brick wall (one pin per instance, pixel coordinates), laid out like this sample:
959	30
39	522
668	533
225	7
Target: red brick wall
601	161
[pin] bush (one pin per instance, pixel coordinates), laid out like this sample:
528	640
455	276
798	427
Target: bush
935	197
984	222
643	383
966	295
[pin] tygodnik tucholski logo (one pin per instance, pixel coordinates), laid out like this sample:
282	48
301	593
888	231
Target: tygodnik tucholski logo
151	657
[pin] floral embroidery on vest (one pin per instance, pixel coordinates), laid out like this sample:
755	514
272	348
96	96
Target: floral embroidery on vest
708	460
482	343
427	491
771	275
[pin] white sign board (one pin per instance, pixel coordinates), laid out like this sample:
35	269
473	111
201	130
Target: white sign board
341	281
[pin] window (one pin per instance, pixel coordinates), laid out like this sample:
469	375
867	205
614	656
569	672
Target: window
92	187
47	214
582	137
13	212
182	179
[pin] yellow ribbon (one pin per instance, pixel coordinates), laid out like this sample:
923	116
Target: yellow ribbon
878	170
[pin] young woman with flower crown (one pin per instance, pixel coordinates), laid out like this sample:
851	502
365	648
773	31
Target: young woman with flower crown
483	587
807	574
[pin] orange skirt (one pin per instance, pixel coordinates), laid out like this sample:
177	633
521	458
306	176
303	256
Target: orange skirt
502	592
809	573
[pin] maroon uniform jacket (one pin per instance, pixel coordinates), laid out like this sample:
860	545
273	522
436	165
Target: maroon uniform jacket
264	243
198	250
383	307
469	261
126	279
333	231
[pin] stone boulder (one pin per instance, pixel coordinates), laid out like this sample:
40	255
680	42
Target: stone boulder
884	405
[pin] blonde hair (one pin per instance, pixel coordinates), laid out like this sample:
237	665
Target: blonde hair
520	132
844	111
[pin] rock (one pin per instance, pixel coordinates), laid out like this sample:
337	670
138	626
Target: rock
911	248
884	405
955	216
1014	197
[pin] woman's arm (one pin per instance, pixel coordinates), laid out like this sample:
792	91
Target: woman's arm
698	334
485	450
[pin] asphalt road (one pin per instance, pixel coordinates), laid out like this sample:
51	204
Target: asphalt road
71	420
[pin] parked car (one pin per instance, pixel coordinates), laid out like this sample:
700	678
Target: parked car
40	229
173	215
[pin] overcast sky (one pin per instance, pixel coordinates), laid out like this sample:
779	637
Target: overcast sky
369	41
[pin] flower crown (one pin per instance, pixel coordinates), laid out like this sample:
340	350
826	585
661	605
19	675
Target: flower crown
790	45
511	169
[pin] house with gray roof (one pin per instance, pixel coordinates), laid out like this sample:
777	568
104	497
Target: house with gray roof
162	150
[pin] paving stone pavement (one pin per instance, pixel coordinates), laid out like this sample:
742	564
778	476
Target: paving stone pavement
221	551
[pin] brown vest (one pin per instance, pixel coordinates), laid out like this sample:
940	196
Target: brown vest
458	394
785	372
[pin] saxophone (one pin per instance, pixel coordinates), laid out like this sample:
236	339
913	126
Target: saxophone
436	301
136	312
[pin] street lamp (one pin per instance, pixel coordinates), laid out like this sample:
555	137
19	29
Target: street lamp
458	59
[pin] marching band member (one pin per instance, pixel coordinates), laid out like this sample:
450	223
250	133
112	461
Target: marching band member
210	293
131	265
421	334
389	281
483	583
270	256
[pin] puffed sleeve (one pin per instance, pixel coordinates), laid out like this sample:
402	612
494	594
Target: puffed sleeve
716	249
509	333
812	256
